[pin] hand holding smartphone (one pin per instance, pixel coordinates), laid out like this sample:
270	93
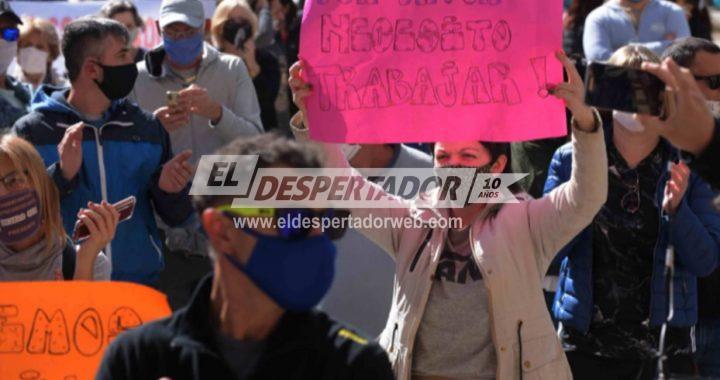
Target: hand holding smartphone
624	89
125	208
172	99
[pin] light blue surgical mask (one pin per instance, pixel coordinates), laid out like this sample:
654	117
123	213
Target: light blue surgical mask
184	51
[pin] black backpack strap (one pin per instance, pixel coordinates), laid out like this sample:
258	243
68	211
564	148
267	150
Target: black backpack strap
68	260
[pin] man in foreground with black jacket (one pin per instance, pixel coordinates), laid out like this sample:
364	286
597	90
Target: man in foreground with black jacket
253	318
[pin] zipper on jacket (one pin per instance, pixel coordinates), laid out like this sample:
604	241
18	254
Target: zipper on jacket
103	184
520	348
419	251
392	340
103	177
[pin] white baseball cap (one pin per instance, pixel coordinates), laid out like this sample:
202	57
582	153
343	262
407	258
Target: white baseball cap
188	12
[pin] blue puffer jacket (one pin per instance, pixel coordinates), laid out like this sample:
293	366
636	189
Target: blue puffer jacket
123	155
694	231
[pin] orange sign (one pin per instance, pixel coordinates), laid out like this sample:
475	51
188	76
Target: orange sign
59	330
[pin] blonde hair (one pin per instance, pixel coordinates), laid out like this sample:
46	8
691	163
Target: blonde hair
46	30
26	159
222	15
633	56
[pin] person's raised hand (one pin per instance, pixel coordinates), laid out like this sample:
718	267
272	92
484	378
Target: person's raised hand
70	151
676	187
176	173
197	101
688	123
172	118
572	93
299	87
101	221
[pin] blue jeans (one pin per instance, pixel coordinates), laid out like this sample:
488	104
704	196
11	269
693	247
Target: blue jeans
707	356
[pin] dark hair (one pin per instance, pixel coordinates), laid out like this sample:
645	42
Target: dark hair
273	150
292	11
683	51
113	7
495	149
578	12
84	38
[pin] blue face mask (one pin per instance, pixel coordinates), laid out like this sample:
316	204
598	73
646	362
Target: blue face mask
294	273
185	51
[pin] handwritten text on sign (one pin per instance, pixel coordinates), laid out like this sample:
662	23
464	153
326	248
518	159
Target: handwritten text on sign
432	70
59	330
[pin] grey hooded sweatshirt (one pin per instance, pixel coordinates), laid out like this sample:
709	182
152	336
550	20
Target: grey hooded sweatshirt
227	81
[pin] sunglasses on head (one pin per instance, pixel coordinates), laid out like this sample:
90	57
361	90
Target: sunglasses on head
713	81
297	222
10	34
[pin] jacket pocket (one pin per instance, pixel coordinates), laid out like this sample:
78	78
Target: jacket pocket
392	338
536	346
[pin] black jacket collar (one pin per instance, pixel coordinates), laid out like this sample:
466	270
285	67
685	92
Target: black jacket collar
192	326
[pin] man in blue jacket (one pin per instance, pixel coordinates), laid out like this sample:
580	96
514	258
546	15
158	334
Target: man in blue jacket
611	295
99	146
14	95
650	23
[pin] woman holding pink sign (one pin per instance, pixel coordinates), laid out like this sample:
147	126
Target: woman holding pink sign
468	302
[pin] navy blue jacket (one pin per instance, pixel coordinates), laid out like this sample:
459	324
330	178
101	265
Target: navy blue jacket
694	231
123	155
8	112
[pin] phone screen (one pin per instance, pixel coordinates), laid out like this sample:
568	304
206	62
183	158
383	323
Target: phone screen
623	89
172	98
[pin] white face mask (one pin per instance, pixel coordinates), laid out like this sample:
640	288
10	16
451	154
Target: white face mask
714	106
33	60
8	50
628	122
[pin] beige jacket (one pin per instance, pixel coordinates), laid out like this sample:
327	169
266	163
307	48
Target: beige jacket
513	251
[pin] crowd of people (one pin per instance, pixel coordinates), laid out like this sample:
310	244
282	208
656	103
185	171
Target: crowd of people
606	266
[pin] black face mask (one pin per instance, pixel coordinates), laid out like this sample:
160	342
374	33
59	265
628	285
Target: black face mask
117	81
485	169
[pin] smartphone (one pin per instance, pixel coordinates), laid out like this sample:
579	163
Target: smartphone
125	208
237	33
171	98
625	89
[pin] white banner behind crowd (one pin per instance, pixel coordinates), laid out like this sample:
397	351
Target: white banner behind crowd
60	13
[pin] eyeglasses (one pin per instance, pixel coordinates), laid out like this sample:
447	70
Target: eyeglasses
175	35
630	202
14	181
10	34
296	222
713	81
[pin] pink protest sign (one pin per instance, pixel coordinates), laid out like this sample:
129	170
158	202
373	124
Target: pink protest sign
432	70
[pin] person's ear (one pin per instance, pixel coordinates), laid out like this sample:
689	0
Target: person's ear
218	229
92	70
499	165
